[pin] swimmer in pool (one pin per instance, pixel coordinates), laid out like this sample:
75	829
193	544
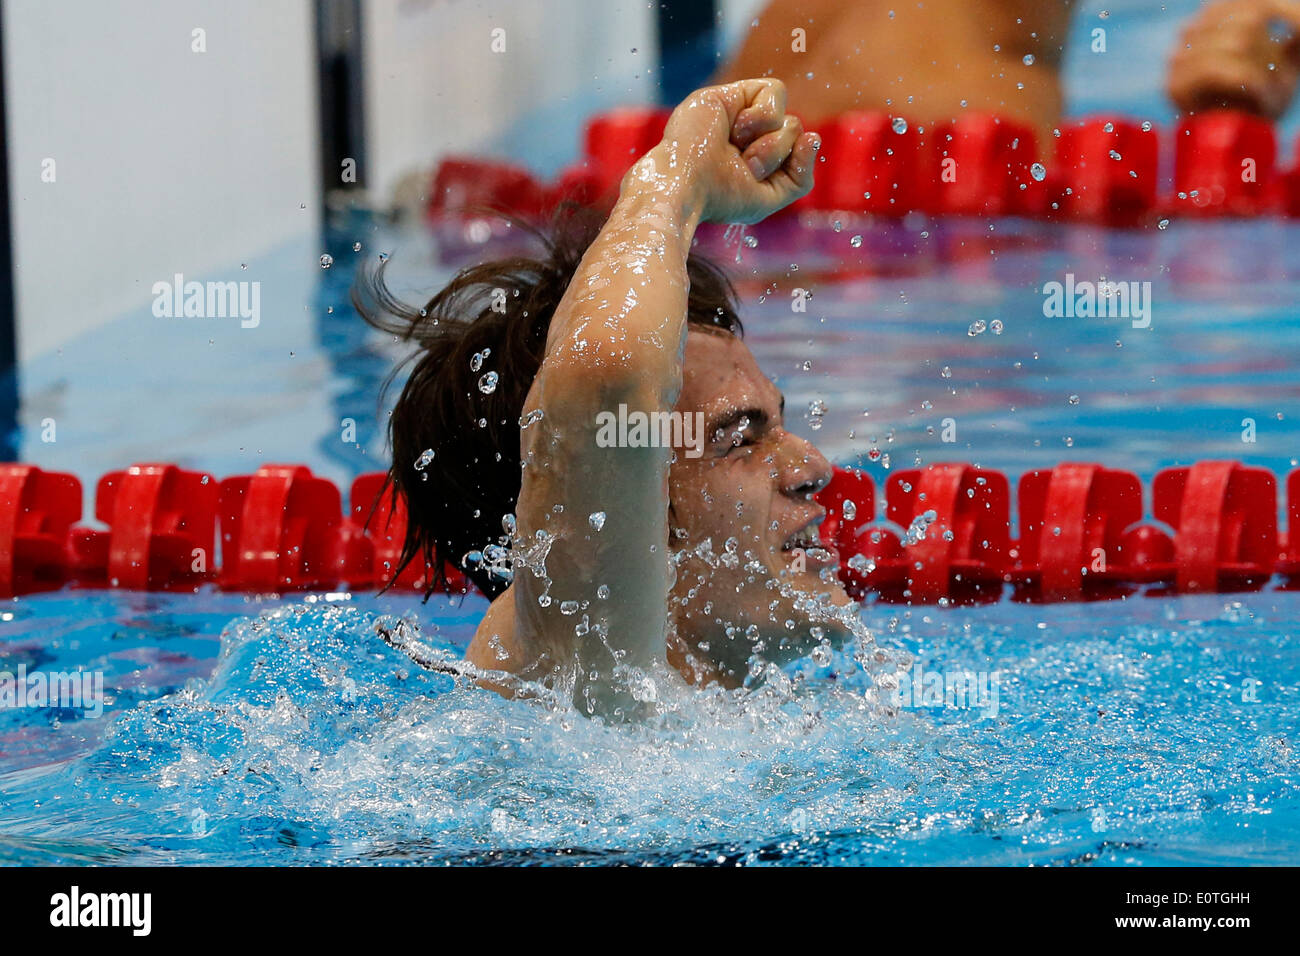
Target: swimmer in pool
932	61
577	348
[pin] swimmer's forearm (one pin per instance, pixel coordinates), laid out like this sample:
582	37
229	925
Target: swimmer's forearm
617	337
622	321
593	509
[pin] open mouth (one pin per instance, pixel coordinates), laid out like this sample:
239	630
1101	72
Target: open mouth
806	542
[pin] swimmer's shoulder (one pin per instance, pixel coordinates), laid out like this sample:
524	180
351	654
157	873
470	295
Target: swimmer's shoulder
496	645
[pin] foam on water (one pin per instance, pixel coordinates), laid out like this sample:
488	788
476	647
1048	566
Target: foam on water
314	740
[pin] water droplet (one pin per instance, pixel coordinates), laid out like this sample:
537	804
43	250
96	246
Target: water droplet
816	410
917	529
1028	60
1115	155
899	125
862	564
946	372
487	384
476	361
996	326
856	242
976	328
426	457
326	261
1038	171
1163	224
597	520
1074	399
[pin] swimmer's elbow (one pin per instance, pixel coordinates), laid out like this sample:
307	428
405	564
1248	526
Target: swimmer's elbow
650	378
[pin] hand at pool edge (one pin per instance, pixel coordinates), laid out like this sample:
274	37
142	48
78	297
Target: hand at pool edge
1227	57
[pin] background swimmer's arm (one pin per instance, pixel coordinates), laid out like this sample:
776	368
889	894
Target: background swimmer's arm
594	518
1230	55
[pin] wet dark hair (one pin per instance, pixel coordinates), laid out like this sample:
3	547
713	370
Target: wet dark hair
456	502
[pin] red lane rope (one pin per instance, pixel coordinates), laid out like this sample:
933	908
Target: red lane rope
946	537
1102	169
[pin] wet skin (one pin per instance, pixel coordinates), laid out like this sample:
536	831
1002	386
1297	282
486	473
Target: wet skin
592	602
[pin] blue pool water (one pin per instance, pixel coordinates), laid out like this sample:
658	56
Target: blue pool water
267	730
1152	730
1121	736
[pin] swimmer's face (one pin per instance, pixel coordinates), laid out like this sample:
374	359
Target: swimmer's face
753	484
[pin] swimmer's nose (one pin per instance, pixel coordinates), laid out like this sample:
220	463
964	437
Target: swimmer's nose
805	470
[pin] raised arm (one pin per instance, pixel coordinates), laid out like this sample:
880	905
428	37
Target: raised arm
592	520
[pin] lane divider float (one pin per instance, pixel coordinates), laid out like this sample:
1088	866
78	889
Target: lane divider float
1105	170
944	534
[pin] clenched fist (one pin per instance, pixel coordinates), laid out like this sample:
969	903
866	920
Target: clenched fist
739	155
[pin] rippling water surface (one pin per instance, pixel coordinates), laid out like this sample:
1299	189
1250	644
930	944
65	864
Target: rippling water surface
1152	730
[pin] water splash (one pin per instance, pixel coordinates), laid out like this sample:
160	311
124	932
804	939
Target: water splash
423	462
920	525
318	740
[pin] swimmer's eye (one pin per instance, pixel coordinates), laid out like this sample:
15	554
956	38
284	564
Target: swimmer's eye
744	433
739	439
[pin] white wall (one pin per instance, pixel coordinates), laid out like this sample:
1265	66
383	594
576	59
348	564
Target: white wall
167	160
434	86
